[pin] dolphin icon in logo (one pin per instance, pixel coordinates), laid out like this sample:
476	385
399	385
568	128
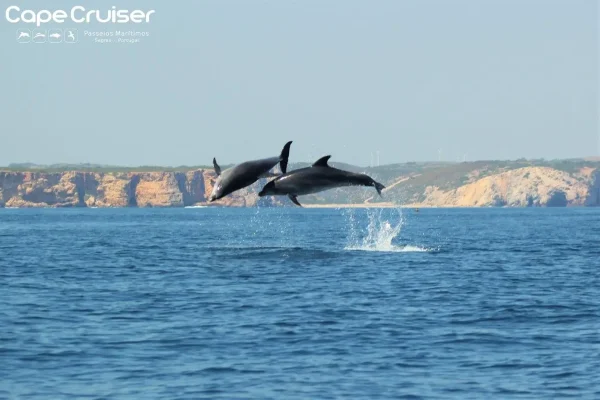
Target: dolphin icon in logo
23	35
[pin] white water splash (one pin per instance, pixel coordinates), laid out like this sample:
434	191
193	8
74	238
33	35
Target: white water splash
380	232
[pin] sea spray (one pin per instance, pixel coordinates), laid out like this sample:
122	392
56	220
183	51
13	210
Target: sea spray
270	227
382	227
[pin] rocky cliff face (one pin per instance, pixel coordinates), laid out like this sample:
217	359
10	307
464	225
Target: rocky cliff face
30	189
593	198
108	190
88	189
523	187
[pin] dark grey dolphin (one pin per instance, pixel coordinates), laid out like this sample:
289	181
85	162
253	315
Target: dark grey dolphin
316	178
246	173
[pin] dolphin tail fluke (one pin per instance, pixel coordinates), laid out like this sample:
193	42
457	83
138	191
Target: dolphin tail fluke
379	187
294	200
283	157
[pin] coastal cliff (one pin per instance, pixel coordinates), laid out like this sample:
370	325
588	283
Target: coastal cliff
476	184
133	189
523	187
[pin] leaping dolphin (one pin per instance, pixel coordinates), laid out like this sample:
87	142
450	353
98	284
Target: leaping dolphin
246	173
316	178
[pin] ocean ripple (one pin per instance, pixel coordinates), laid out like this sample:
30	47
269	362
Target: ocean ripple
295	304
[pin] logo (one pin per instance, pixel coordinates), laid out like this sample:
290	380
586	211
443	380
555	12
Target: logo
50	36
71	36
39	36
23	35
39	32
77	15
55	36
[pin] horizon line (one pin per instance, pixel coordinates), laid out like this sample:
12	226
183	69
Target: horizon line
33	165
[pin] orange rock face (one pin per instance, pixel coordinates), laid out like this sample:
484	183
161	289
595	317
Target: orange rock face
143	189
32	189
523	187
529	186
158	189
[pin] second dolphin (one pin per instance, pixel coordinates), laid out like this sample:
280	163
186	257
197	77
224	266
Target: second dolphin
316	178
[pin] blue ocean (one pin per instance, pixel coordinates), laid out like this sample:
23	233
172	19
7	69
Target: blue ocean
290	303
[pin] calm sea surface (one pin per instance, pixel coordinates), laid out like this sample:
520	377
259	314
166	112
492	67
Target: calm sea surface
216	303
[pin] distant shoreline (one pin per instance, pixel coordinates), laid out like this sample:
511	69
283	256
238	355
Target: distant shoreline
306	206
460	185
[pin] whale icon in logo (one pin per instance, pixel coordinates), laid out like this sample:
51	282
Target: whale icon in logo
55	35
39	36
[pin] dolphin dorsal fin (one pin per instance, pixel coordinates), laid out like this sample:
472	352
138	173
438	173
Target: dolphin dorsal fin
217	168
322	162
283	157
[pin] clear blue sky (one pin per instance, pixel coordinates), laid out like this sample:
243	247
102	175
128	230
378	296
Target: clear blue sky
496	79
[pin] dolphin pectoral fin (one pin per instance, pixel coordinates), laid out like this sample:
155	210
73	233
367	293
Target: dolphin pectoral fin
379	187
322	162
294	200
217	168
283	157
